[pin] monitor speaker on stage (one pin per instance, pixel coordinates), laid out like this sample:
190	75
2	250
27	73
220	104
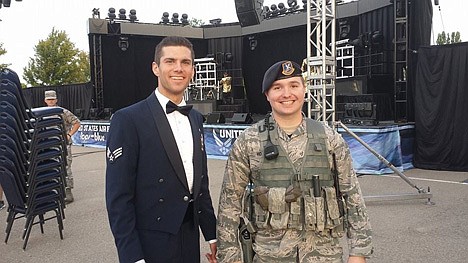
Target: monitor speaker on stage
249	12
215	117
241	118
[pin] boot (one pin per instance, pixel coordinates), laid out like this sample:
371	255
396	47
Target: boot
68	195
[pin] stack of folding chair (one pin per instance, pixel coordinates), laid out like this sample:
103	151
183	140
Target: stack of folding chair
32	159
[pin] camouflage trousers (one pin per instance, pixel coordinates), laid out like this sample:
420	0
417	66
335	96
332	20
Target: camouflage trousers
69	177
296	246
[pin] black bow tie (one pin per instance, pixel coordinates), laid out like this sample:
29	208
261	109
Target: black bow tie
171	106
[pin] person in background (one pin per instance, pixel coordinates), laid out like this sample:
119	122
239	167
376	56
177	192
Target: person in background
290	191
226	82
72	124
157	192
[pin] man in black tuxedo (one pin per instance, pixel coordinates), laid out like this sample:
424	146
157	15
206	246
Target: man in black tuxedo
157	191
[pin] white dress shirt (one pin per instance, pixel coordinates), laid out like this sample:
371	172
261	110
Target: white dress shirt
180	126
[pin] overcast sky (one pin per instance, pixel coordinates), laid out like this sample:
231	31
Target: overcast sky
26	22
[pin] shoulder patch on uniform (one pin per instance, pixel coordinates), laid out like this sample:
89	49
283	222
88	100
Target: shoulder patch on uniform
113	155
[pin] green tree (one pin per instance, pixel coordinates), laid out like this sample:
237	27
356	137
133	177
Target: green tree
448	38
57	62
3	52
195	22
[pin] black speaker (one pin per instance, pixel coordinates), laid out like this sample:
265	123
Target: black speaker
241	118
249	12
215	117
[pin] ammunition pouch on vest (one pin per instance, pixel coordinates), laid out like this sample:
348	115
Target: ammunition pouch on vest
285	199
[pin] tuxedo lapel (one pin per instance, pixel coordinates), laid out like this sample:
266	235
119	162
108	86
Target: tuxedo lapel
198	151
167	137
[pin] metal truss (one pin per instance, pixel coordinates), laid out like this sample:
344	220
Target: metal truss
320	79
321	60
98	80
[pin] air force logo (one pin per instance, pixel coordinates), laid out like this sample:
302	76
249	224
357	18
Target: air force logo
113	155
225	146
288	68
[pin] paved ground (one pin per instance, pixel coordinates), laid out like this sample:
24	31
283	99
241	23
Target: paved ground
404	231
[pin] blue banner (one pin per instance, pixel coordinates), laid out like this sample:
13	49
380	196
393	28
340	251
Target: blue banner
219	139
385	140
92	134
394	143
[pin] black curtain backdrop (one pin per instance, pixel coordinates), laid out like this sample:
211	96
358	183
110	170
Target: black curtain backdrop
420	25
233	45
127	75
270	47
71	97
441	108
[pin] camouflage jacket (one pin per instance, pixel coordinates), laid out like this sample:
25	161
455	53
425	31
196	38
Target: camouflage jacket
247	154
69	119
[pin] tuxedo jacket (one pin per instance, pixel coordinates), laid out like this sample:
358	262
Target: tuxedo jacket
146	185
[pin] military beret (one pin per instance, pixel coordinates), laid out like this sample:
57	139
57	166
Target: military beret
280	70
50	95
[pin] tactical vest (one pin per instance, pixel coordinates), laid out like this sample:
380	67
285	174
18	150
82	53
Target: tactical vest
277	179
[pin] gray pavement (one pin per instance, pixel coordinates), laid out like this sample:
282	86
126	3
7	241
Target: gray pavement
404	231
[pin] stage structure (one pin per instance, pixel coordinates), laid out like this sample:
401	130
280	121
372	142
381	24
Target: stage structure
400	70
321	60
97	72
120	52
205	84
321	77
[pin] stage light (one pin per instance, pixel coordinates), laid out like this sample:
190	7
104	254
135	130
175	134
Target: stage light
252	43
377	38
123	43
132	16
282	9
6	3
215	21
293	6
165	18
292	3
107	113
184	20
175	18
274	10
122	15
344	29
228	57
266	11
79	113
93	113
356	42
111	14
96	13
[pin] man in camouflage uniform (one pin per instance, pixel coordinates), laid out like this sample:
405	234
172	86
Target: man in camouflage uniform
285	162
72	124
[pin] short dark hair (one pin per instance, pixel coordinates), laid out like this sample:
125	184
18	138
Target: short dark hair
172	41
